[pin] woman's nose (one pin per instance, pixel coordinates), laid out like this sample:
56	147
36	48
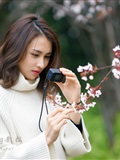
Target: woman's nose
40	63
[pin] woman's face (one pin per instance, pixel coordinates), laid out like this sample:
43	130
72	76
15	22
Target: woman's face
36	58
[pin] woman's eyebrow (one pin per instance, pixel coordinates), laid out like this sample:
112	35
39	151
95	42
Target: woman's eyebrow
36	50
40	51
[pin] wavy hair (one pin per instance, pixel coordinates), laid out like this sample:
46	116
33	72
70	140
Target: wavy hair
15	42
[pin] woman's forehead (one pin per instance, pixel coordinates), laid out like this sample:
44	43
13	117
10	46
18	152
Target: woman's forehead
40	44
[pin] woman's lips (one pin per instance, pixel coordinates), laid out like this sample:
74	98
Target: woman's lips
36	72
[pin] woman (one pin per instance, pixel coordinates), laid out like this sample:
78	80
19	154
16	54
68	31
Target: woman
30	48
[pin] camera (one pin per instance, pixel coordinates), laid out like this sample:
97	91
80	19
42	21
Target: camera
55	75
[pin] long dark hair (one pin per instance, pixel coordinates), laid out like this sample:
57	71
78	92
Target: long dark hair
15	43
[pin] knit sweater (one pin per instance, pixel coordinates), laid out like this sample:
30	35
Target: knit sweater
20	137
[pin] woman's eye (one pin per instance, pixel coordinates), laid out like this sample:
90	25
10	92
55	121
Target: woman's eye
35	55
48	56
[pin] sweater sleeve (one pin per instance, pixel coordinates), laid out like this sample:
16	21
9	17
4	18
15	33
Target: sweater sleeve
74	142
36	148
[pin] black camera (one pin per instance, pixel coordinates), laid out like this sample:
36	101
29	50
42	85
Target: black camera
55	75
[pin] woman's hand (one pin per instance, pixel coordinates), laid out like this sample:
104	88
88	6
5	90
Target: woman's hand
71	88
55	120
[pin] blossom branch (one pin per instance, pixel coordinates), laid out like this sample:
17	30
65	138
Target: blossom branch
105	67
105	78
91	92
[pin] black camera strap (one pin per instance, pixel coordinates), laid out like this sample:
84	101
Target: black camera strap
43	100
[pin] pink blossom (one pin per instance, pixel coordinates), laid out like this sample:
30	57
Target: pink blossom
84	78
91	77
88	67
87	86
117	48
87	70
84	98
116	62
92	104
58	98
116	68
116	51
94	92
116	73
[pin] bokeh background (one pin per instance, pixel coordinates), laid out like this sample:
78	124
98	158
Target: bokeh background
88	30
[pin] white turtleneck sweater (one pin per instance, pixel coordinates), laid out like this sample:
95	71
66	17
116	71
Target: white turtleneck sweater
20	137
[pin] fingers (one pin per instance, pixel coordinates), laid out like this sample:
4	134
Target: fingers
67	72
55	120
70	77
60	110
58	117
56	128
60	113
56	123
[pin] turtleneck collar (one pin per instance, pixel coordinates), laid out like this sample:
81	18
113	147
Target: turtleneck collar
25	85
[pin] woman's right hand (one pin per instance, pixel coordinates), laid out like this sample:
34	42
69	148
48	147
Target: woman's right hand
55	120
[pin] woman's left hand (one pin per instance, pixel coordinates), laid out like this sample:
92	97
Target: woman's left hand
71	88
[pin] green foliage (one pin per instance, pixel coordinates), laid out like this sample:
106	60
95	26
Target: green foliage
98	137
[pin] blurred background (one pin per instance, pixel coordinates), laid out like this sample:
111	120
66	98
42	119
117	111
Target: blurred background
88	30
